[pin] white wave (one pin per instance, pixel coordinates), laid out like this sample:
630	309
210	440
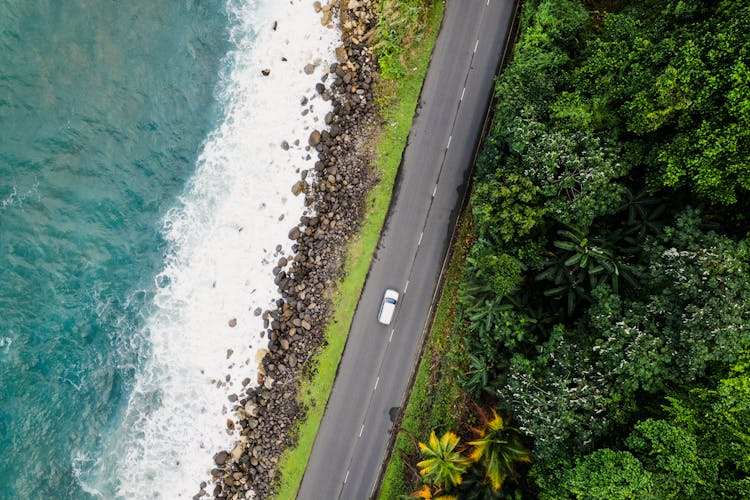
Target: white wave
16	199
222	235
5	343
79	463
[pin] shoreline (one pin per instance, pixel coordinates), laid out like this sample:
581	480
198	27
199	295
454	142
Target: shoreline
266	414
200	336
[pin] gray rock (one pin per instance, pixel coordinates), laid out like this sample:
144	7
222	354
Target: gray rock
314	139
298	187
341	55
220	459
251	409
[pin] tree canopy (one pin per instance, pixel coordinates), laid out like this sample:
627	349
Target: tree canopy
605	302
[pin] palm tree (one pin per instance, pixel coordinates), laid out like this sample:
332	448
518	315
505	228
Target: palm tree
584	263
442	465
498	447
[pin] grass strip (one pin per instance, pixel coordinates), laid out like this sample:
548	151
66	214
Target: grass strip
435	401
399	105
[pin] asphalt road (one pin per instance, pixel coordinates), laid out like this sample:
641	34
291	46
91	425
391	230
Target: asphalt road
378	360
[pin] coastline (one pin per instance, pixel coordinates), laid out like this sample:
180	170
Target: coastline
221	235
335	191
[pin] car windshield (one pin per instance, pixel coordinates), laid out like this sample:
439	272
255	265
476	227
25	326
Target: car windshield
390	300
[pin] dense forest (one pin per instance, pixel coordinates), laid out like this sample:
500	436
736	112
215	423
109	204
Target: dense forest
605	303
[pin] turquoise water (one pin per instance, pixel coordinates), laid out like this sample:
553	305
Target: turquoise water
103	109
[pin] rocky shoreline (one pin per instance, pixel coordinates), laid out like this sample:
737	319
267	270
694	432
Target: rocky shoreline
335	192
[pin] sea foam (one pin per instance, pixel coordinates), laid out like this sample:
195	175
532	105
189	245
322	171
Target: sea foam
221	237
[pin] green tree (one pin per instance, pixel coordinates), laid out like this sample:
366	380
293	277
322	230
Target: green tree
574	171
542	54
671	454
675	81
607	475
718	417
581	263
554	395
507	205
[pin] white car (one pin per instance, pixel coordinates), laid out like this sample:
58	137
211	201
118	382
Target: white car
388	307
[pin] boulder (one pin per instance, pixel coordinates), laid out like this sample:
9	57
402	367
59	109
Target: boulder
298	187
314	139
251	409
326	17
221	458
237	452
341	55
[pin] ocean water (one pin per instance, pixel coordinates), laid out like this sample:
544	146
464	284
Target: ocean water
143	191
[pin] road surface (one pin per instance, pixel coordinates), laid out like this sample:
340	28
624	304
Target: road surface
378	360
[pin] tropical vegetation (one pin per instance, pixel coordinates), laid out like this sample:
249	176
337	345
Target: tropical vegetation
486	462
604	307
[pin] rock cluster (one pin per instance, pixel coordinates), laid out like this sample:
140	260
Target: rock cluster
335	193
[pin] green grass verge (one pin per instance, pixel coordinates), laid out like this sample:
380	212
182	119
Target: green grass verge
435	401
398	111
